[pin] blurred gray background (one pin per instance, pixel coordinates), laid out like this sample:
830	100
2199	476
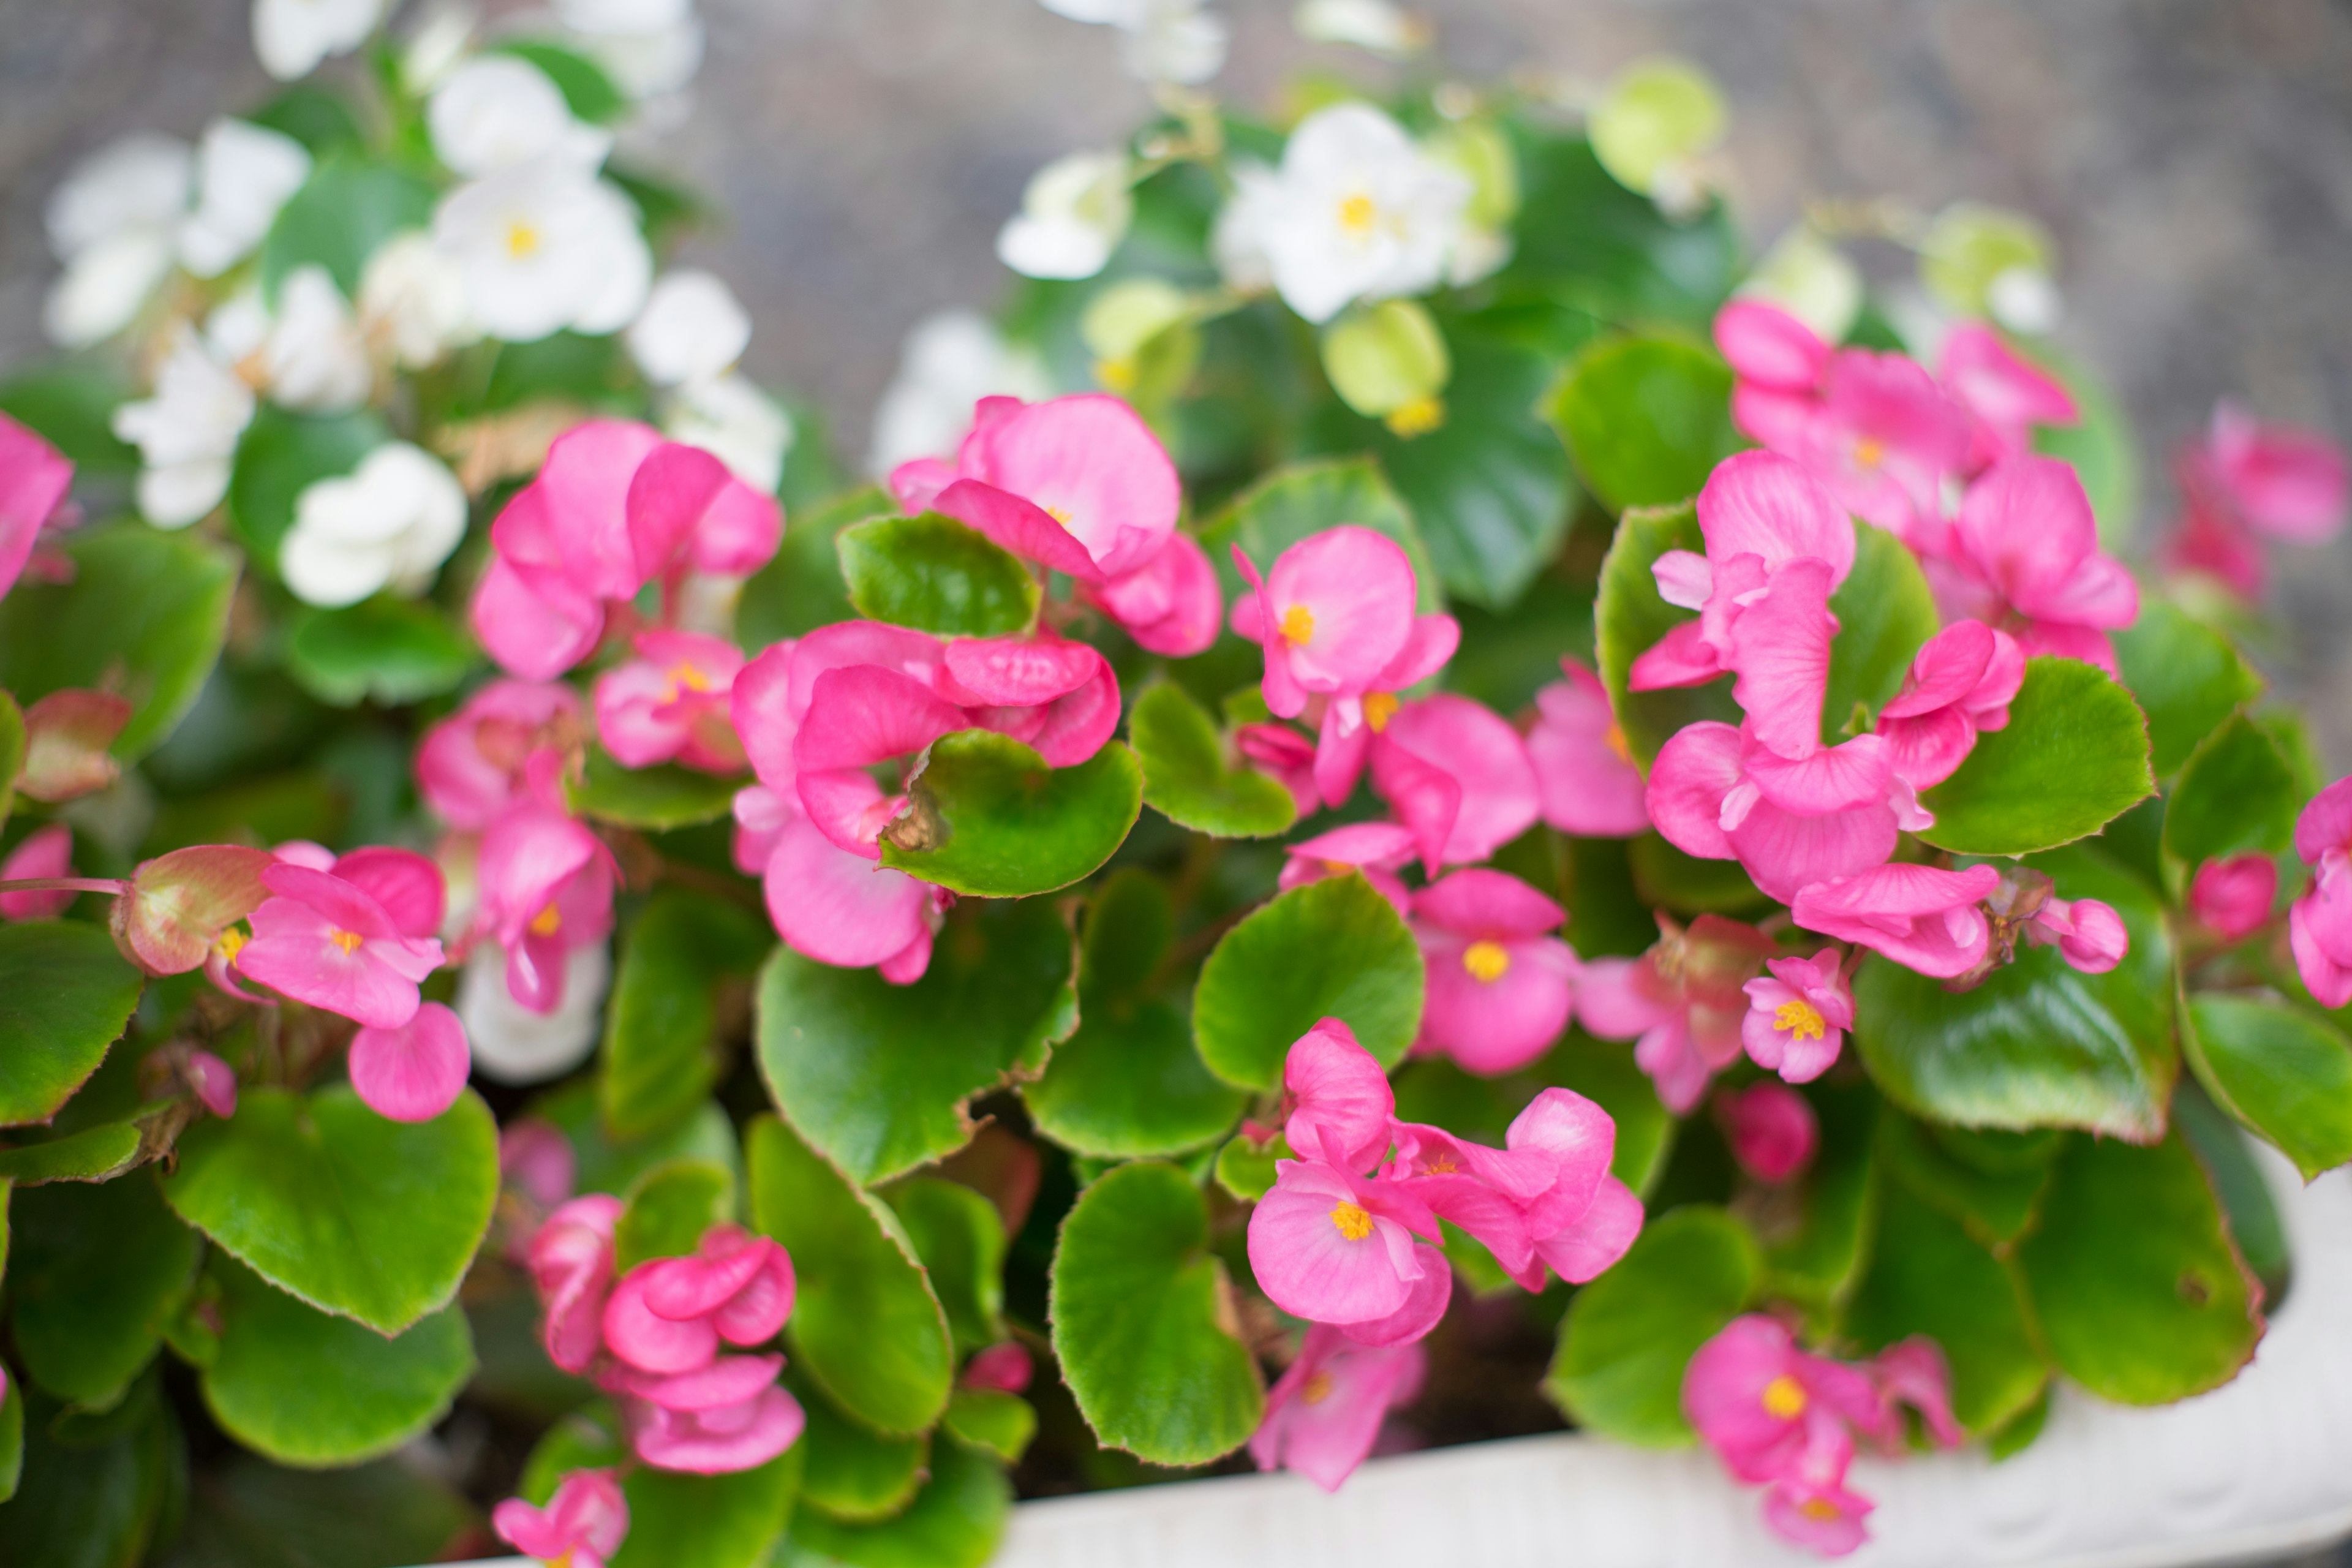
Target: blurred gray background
2193	157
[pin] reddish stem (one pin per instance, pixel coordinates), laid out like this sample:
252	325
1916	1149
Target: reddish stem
109	885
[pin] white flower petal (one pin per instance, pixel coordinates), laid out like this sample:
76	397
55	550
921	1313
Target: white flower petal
244	173
514	1046
139	182
104	287
330	572
952	359
292	36
496	111
692	329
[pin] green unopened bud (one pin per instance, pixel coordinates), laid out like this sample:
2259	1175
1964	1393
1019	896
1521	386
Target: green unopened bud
1140	334
1655	119
1389	362
1989	261
1480	150
1811	280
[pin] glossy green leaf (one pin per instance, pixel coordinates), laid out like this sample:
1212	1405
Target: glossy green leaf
935	574
1817	1260
2187	675
955	1522
1245	1168
343	215
589	91
1584	238
2236	795
410	1202
877	1075
1143	1320
307	1388
2074	757
144	618
98	1502
865	1325
988	817
282	454
1885	614
992	1419
668	1208
960	1240
1630	1334
802	588
564	367
250	1514
1993	1206
661	797
662	1048
606	1165
853	1474
2039	1043
2140	1295
2242	1182
1629	617
1330	949
72	405
94	1271
1189	778
2283	1074
12	1437
393	652
1299	501
64	996
1646	418
92	1154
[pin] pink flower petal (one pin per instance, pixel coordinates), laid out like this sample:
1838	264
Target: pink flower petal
415	1072
1341	1104
718	1442
1093	463
1020	526
1762	504
647	1341
44	852
837	908
865	714
1170	604
1591	1245
1769	346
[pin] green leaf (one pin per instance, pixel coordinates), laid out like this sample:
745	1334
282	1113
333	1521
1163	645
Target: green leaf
1330	949
144	618
97	1502
1583	238
992	1419
11	1439
1993	1206
669	1209
2039	1043
2285	1075
802	588
65	996
1886	614
607	1166
1187	777
1646	418
937	575
1245	1168
282	454
2074	757
1630	1334
2141	1297
1672	879
92	1154
1143	1320
865	1324
12	753
356	1214
661	797
2237	796
1303	500
589	91
955	1522
988	817
2241	1182
564	367
343	215
71	406
662	1055
395	651
306	1388
1818	1261
1629	617
1926	1275
250	1514
853	1474
313	116
960	1240
1129	1082
877	1075
2187	675
96	1272
2100	446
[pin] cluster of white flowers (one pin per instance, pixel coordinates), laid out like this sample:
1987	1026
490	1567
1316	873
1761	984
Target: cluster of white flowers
687	342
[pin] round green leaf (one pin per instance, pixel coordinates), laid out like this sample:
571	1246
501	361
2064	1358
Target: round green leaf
865	1324
1303	500
877	1075
1630	1334
1586	239
1143	1322
1629	617
960	1240
92	1154
96	1500
1646	418
65	996
354	1214
955	1522
2187	675
1885	613
95	1272
660	797
853	1474
307	1388
343	215
989	819
935	574
2074	757
662	1054
395	651
72	405
1993	1206
2237	796
1187	777
1330	949
2283	1073
2141	1297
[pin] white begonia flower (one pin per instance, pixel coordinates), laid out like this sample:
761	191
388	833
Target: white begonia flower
737	423
545	246
412	301
1362	213
1237	239
692	329
114	223
513	1044
496	111
949	362
647	46
186	433
314	359
292	36
244	173
1375	26
436	43
390	523
1176	41
1073	214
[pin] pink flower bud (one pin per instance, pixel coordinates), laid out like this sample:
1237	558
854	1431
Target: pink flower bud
1771	1129
2234	896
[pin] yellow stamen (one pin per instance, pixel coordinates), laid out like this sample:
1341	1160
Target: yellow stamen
1444	1165
1353	1221
1380	707
1417	418
522	239
1487	960
1615	740
232	942
685	676
1298	624
1869	453
548	921
1058	515
1337	868
1357	214
1784	1398
1116	374
1821	1510
1317	1390
349	941
1799	1019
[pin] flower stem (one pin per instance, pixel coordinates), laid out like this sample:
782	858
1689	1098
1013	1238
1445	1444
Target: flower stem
109	885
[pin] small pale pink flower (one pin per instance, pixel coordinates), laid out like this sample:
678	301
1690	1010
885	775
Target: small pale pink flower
1922	917
1340	1105
581	1527
671	702
1960	684
537	1160
1771	1129
1332	1246
1500	985
33	479
2088	934
1377	849
2284	483
354	941
2233	896
2024	557
1914	1372
1826	1517
46	852
1457	775
2004	394
415	1072
1324	1414
1586	780
571	1259
473	764
214	1082
1798	1014
1006	1366
1681	1002
1334	613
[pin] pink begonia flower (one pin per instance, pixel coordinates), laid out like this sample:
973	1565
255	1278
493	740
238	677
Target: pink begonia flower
1499	985
742	1283
33	479
546	888
1339	1103
2282	482
2319	925
1914	1372
571	1259
1922	917
1324	1414
1779	363
1777	1415
2233	896
1960	684
1085	468
2024	557
1883	440
1798	1014
1377	849
704	1423
1058	696
1332	1246
1170	604
1335	611
355	940
46	852
1771	1129
536	1159
415	1072
686	1407
839	907
1006	1366
1586	780
473	764
1682	1001
1351	722
1457	775
772	695
1824	1515
214	1082
671	702
2090	935
581	1527
2003	393
1285	756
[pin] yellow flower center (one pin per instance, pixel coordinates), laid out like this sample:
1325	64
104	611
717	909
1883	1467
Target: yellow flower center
1784	1398
1869	453
1353	1221
1298	624
1317	1390
522	239
1117	374
684	677
1821	1510
1615	740
1380	707
1058	515
349	941
232	942
1417	418
1357	214
1800	1019
1487	960
548	921
1444	1165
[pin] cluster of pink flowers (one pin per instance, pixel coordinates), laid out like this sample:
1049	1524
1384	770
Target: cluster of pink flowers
1347	1237
581	1527
2245	483
1785	1419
